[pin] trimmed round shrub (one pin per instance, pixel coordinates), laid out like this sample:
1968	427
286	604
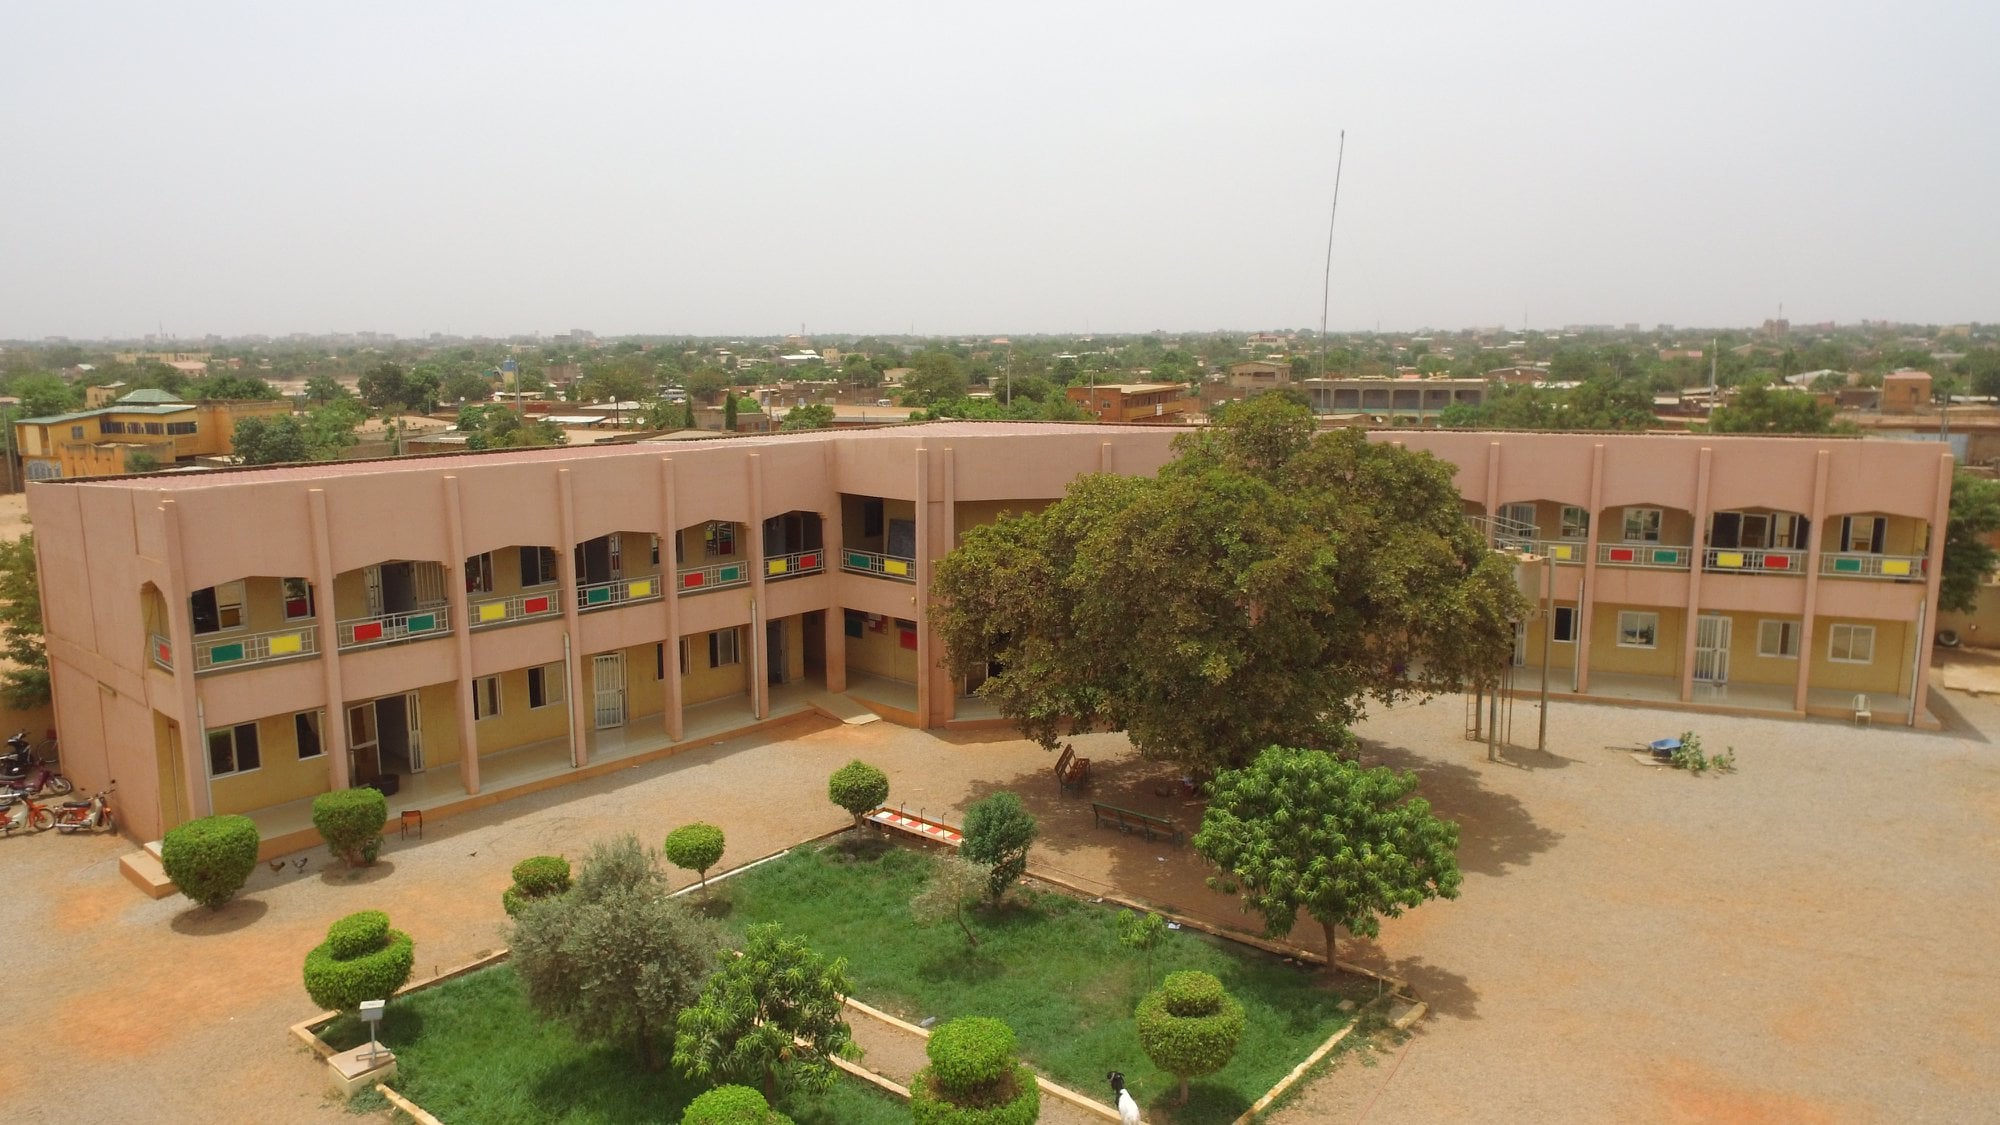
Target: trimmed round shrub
732	1105
361	959
1190	1026
859	788
351	821
974	1078
210	859
694	847
538	876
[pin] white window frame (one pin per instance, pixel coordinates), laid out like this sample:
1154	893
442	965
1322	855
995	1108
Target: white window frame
1852	635
1574	523
1649	522
479	573
1564	613
546	681
1850	524
317	720
1651	629
724	649
485	697
236	767
1789	632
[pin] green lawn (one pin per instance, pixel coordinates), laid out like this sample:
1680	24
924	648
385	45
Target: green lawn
470	1050
1049	965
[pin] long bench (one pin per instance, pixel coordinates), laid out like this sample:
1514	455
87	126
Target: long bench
1072	772
1125	820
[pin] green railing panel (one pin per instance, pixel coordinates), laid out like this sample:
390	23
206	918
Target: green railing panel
225	654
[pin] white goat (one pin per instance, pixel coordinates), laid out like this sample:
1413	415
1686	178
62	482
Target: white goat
1128	1110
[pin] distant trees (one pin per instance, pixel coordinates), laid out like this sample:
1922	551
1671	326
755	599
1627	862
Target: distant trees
24	672
319	435
42	395
935	376
227	386
326	388
812	416
1968	558
498	426
1758	409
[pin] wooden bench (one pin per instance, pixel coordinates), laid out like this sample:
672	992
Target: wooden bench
1125	820
1072	772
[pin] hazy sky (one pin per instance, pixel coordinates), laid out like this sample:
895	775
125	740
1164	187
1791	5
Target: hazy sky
729	168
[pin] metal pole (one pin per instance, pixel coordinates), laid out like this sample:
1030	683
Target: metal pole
1548	642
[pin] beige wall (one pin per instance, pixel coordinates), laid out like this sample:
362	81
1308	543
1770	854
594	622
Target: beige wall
519	724
880	651
282	777
1663	659
702	683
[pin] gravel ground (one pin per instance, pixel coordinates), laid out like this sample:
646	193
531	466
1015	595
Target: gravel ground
1807	939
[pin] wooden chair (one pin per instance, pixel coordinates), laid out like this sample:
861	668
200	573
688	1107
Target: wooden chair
1072	772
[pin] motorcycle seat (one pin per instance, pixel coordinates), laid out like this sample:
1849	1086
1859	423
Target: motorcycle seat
76	804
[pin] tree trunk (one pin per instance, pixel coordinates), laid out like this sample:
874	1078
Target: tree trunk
646	1046
1328	927
770	1084
968	929
1183	1089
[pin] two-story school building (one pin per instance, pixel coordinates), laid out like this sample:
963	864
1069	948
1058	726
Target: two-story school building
482	624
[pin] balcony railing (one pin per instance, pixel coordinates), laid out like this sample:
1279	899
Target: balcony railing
793	565
214	654
163	650
1649	555
618	591
390	628
1555	550
520	607
1753	560
1856	565
868	562
718	576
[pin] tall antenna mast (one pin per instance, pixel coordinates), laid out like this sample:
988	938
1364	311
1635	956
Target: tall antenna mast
1326	285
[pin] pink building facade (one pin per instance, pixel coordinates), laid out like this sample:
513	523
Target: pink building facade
468	624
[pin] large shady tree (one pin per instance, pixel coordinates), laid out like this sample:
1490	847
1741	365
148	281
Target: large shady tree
1256	592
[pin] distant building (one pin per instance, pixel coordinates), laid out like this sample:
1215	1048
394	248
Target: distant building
1392	400
1132	402
1905	392
1259	374
102	442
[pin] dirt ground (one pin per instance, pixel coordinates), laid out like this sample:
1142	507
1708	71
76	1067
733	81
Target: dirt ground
1808	939
13	515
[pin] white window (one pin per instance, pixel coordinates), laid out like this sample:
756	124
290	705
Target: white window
545	685
298	599
479	573
485	697
1565	624
1778	638
1642	525
1638	630
306	724
1575	523
233	750
722	648
1851	644
218	608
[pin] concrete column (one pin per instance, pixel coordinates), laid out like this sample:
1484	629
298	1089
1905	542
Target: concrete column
180	634
461	634
670	586
1700	549
1586	598
929	634
1492	490
1107	458
334	731
760	651
833	540
923	561
1920	691
1815	545
579	748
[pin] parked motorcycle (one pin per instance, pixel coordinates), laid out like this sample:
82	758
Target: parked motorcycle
21	770
93	815
22	813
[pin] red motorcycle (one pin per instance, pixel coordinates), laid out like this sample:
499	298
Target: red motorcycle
21	813
93	815
23	769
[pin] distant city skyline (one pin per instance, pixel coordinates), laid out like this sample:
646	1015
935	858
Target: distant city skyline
886	169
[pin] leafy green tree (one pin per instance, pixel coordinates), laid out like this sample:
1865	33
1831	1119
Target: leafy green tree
1968	557
773	1011
997	834
420	389
1757	409
729	413
140	461
24	675
383	386
538	876
614	957
694	847
44	395
706	383
956	882
270	441
1608	404
229	387
210	858
974	1077
1143	932
813	416
1190	1026
326	388
351	822
329	429
361	959
859	788
1305	830
1254	592
732	1105
935	376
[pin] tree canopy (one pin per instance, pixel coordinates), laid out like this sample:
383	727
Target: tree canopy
1255	592
1968	557
1305	830
1758	409
773	1012
24	679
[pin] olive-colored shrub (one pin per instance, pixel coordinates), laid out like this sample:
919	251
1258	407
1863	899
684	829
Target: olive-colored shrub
538	876
732	1105
974	1078
210	859
1190	1026
350	821
859	788
361	959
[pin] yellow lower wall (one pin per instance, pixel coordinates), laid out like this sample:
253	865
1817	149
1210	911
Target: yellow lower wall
281	777
518	724
1888	672
879	650
702	684
1664	659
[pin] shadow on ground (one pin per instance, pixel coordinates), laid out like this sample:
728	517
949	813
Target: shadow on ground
200	921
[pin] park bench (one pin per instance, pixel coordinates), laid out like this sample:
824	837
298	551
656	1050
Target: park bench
1125	820
1072	772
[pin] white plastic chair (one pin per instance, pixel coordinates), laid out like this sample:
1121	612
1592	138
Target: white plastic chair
1861	712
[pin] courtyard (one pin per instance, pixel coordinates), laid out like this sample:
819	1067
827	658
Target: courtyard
1805	939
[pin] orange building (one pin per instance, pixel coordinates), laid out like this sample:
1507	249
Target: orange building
1132	402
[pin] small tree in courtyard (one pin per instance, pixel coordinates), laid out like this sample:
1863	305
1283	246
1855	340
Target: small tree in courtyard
1304	830
1189	1026
997	834
732	1105
614	957
350	821
859	788
974	1078
694	847
210	859
774	1011
536	877
955	883
361	959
